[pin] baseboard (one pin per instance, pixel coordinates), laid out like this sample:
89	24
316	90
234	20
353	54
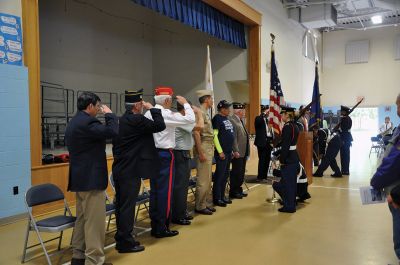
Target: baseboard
13	219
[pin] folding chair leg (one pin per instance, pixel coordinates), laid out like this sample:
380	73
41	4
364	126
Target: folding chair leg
109	221
26	241
72	237
247	187
137	213
44	248
147	208
59	242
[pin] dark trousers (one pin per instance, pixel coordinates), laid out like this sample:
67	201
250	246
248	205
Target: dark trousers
237	175
126	192
345	156
161	188
330	159
396	229
181	184
264	158
287	186
221	176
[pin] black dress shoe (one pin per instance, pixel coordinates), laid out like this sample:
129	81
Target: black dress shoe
227	200
132	249
220	203
188	217
317	175
346	173
244	194
165	233
236	196
77	261
205	211
305	197
336	175
212	209
285	210
181	222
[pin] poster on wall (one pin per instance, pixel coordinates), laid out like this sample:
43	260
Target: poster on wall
10	39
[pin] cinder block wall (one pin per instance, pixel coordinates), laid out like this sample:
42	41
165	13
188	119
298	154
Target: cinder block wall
15	164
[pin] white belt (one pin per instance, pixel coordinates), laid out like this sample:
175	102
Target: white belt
293	147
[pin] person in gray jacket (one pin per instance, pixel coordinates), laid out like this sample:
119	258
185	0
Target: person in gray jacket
387	177
241	151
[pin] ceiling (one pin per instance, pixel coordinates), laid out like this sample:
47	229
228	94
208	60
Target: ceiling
355	14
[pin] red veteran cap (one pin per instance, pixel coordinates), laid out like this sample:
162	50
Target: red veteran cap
164	91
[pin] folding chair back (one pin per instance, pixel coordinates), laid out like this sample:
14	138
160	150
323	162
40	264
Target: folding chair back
193	163
42	194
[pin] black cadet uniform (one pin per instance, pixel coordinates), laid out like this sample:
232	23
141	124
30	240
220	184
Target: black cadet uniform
289	159
329	158
347	139
135	156
263	143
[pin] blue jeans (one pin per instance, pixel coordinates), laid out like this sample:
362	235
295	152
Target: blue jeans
396	229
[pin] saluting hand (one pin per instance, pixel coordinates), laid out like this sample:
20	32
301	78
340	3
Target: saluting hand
104	109
181	100
147	105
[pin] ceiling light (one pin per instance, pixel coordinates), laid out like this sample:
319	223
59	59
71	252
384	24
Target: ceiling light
376	19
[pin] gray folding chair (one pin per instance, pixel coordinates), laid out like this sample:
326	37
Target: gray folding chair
141	202
192	180
377	146
39	195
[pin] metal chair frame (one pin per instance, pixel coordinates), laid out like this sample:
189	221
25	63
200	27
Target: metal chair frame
32	226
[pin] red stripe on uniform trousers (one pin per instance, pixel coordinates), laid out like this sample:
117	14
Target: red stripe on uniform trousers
170	182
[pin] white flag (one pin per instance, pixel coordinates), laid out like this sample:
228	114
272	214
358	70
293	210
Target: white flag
209	78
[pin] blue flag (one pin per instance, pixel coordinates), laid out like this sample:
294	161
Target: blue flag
316	111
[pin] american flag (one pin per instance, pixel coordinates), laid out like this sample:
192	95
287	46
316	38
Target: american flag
276	97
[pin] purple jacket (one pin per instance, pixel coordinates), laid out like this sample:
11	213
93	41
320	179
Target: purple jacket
388	173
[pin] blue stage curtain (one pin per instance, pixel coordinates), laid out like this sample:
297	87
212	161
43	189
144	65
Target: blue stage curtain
201	16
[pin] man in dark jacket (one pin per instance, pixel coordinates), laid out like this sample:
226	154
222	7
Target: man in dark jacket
86	141
135	156
263	141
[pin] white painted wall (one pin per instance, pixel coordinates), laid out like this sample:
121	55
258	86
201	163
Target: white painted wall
296	72
12	7
378	80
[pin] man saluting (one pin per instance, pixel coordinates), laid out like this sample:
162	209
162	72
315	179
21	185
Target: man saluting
135	156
